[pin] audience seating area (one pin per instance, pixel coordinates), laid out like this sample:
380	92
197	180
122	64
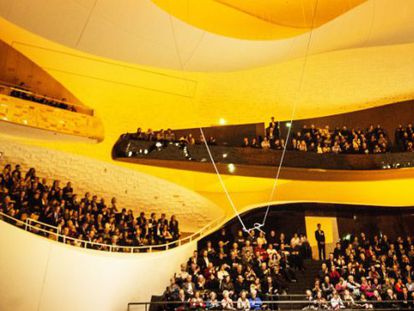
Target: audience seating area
404	138
238	272
325	140
253	271
371	140
363	271
80	221
23	92
167	136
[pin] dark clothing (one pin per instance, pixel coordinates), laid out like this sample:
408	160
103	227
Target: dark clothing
320	239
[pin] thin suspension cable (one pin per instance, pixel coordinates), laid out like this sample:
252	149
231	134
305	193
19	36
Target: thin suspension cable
204	138
222	182
302	75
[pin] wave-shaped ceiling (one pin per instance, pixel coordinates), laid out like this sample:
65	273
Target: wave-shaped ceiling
258	19
142	32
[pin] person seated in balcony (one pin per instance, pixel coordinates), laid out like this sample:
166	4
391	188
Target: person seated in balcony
265	143
150	135
245	143
196	302
191	139
243	302
279	144
169	135
212	141
302	146
227	302
139	134
336	148
336	301
255	301
254	143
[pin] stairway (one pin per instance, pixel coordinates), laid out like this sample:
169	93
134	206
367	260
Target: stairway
305	279
296	292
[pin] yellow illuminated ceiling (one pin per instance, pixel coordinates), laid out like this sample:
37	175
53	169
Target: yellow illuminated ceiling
143	33
257	19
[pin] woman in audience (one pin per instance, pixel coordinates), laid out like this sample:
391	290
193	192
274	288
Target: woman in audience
243	303
227	302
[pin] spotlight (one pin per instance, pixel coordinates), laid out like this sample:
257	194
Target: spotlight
288	124
222	121
231	168
158	144
145	151
129	153
224	155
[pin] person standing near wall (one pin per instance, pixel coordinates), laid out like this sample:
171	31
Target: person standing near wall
320	239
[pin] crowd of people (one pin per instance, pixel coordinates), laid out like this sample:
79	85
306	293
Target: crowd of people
362	272
169	136
324	140
344	140
23	92
238	271
404	138
85	219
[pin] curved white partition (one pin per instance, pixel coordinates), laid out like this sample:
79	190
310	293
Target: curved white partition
40	274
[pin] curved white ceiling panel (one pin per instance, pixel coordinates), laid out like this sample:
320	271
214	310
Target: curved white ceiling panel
142	33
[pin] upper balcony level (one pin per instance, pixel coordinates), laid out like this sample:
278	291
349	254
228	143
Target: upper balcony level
338	142
33	104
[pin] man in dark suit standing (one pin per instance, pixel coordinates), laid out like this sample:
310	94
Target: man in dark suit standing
320	239
273	130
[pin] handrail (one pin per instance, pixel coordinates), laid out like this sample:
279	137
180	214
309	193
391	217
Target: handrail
29	220
28	226
78	108
278	302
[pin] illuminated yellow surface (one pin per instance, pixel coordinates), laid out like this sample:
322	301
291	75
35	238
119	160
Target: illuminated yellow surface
126	96
33	115
258	19
330	227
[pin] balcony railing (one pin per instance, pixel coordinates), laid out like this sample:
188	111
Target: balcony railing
54	233
278	302
12	90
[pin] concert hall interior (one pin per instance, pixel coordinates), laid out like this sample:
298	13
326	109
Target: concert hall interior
206	155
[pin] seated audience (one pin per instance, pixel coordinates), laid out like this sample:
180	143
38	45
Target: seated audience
404	138
340	140
241	270
77	219
23	92
361	272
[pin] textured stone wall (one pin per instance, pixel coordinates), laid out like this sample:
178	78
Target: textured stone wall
133	190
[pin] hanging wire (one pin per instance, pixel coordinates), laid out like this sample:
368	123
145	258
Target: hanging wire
256	226
221	181
301	79
223	185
